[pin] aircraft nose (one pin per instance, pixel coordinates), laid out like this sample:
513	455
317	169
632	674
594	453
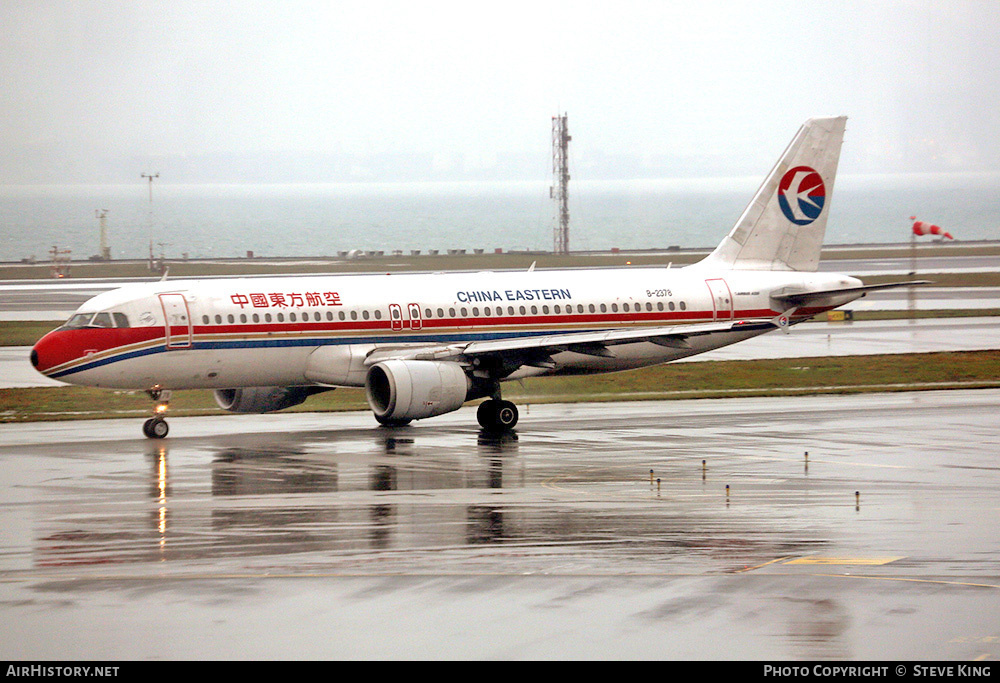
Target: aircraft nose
44	353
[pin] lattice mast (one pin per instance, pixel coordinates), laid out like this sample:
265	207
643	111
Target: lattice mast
560	189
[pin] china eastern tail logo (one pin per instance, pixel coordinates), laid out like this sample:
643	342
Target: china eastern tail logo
801	195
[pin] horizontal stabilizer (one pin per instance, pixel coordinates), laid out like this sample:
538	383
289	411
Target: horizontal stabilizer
835	297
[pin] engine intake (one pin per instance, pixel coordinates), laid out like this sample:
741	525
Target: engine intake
263	399
404	390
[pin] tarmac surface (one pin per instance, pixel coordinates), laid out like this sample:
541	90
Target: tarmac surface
827	527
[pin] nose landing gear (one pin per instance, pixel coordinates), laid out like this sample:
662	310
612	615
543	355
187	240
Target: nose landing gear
156	427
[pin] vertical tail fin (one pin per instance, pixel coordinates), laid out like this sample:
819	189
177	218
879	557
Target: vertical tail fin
783	227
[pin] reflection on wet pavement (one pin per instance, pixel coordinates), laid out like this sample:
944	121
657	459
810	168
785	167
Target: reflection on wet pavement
707	516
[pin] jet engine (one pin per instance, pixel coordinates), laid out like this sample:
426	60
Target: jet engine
402	390
263	399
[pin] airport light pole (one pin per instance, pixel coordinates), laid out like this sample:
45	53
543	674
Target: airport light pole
150	176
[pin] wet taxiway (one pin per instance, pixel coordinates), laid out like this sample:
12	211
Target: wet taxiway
681	529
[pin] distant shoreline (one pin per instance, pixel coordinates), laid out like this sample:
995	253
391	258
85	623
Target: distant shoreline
456	259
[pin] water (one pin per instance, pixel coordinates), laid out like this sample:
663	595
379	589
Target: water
324	219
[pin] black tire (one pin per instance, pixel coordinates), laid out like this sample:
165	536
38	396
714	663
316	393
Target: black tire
497	416
486	414
156	428
506	415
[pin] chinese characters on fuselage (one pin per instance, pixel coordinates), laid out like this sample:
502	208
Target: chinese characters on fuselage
286	300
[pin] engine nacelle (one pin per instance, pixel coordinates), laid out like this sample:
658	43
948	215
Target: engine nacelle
404	390
263	399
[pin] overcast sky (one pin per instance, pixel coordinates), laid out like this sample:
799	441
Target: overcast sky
99	91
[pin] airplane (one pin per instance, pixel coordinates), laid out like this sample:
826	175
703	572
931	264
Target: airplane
425	344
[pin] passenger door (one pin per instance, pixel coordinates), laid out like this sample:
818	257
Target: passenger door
722	299
177	321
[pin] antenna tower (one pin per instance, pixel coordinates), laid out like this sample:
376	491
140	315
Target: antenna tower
560	189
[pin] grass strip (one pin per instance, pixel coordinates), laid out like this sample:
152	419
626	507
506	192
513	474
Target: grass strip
840	374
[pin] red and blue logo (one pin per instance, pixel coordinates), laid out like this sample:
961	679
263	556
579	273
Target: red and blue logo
801	195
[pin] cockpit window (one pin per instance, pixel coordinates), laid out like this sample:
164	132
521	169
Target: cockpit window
78	321
102	320
82	320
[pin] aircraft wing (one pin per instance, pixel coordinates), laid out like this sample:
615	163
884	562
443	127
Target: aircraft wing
534	349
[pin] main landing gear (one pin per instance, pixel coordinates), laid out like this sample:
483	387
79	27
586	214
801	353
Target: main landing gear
497	415
156	427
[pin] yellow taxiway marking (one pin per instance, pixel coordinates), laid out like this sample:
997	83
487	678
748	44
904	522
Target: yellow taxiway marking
817	559
938	582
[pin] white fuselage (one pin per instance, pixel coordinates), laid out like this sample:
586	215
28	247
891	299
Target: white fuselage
319	330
